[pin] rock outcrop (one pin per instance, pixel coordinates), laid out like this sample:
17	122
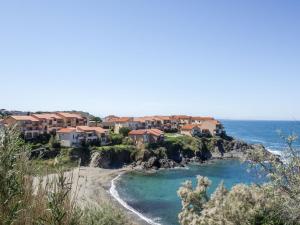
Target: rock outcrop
172	154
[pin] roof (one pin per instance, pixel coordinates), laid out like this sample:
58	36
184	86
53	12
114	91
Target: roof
25	118
67	130
180	117
90	129
164	117
189	127
70	115
202	118
154	132
121	119
214	122
47	116
144	119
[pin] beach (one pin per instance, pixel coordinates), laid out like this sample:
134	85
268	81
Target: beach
92	187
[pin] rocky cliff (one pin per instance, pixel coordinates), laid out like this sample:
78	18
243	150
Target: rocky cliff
173	152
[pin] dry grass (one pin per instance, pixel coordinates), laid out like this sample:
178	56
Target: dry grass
25	200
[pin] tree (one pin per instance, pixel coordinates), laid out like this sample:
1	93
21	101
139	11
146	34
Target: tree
124	131
97	120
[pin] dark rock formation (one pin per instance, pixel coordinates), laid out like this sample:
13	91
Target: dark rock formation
173	153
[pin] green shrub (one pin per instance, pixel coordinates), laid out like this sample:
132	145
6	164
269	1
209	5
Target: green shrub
115	139
276	202
124	131
25	202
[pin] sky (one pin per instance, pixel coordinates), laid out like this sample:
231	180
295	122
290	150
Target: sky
228	59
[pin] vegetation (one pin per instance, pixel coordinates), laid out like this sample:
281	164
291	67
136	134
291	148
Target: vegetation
274	203
124	131
115	139
96	119
28	200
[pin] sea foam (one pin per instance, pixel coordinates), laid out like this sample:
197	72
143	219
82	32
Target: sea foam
113	191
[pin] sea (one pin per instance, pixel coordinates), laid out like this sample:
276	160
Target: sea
153	197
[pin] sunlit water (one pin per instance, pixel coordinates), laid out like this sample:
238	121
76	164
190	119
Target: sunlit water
154	195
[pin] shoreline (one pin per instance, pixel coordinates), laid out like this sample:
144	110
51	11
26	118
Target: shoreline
91	187
97	185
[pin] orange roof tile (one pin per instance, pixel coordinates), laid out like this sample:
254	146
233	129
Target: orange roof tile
202	118
189	126
154	132
178	117
89	129
70	115
121	119
66	130
25	118
47	116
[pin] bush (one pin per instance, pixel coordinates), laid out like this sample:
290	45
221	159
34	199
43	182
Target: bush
276	202
124	131
115	139
26	200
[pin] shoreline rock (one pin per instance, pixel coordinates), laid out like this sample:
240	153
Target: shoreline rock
209	149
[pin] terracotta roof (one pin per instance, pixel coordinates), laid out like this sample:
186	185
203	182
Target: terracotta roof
100	130
202	118
163	117
180	117
154	132
66	130
137	132
110	117
70	115
89	129
121	119
25	118
47	116
189	126
144	119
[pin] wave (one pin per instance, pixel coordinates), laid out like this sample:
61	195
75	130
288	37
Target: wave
113	191
275	152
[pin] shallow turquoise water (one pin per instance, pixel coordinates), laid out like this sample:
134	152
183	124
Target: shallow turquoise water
154	195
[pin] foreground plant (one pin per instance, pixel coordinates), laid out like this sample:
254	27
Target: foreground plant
273	203
27	200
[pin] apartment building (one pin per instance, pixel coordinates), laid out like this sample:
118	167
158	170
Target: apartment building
29	126
146	136
75	136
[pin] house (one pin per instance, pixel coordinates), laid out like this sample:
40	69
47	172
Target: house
146	122
190	130
72	119
29	126
95	133
50	122
109	118
75	136
200	119
127	122
212	127
146	136
181	120
68	137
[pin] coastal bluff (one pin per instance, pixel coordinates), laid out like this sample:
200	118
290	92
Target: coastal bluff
175	151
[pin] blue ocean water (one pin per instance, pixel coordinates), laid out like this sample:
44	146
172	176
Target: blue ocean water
154	195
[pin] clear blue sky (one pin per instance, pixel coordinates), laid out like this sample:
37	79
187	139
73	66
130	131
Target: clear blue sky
230	59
